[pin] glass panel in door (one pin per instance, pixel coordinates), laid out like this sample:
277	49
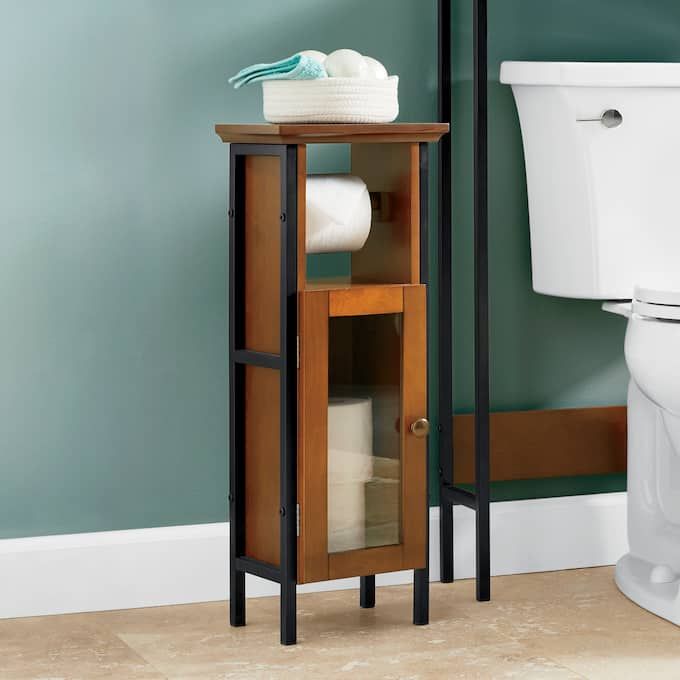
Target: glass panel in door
364	439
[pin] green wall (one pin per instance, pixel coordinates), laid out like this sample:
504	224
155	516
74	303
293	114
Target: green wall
113	243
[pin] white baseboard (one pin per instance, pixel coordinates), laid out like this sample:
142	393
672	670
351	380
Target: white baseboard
176	565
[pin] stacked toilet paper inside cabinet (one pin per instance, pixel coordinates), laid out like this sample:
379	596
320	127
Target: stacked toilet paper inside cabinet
382	494
350	466
338	213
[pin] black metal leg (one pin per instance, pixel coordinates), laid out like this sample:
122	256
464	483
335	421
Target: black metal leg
288	614
421	577
288	386
237	598
445	312
237	578
481	248
421	596
367	592
483	549
446	542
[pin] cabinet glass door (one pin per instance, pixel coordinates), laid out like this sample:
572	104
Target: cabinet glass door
364	446
362	466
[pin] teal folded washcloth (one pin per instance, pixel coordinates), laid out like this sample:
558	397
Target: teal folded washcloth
297	67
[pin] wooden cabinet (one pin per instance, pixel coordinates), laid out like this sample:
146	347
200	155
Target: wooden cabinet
328	379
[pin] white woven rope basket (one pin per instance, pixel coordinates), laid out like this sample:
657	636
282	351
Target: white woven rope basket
331	100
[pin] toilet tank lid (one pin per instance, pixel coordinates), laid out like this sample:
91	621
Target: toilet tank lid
659	289
591	74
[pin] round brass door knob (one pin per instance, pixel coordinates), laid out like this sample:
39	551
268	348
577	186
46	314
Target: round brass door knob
420	427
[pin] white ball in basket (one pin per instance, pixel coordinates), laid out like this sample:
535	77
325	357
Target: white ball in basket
315	54
346	64
375	68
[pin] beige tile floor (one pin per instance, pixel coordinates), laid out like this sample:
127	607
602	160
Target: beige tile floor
570	624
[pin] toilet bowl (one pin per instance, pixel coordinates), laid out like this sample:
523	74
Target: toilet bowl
601	146
649	574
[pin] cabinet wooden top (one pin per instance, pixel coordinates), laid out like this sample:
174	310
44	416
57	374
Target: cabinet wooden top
334	133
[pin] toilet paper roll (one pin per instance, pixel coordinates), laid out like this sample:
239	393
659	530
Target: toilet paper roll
350	466
338	217
350	439
346	516
382	505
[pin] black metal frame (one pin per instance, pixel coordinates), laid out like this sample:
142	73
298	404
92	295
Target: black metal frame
445	298
286	363
450	494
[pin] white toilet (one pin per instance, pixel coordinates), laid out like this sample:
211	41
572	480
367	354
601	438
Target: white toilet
602	154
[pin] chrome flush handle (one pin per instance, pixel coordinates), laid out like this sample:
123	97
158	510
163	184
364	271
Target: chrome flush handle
611	118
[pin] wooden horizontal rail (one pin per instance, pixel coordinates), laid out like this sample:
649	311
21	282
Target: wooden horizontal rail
368	300
548	443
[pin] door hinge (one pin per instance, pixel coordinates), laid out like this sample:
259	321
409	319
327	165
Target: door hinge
298	351
297	519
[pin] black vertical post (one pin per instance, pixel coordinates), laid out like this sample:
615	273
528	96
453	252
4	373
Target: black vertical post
421	577
445	313
288	386
481	248
237	583
367	592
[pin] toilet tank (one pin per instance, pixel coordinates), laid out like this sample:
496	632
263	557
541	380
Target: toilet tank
604	202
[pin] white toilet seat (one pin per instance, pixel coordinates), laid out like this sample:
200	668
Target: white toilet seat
658	297
656	311
659	290
649	310
655	297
